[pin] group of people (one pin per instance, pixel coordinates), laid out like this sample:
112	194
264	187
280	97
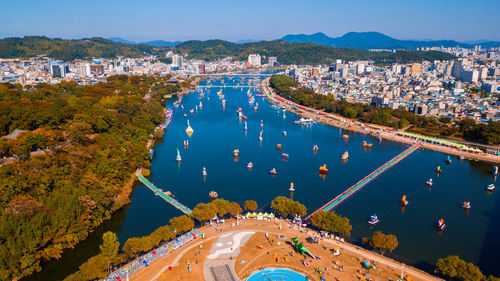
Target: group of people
153	255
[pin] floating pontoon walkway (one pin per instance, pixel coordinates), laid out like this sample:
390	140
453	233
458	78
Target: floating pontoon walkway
227	86
360	184
164	195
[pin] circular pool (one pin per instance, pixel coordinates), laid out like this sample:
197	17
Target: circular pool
281	274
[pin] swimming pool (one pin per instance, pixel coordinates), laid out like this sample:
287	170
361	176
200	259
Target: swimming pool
274	274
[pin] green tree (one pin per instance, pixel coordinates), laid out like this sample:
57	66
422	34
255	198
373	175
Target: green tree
250	205
454	267
109	247
285	206
382	242
330	221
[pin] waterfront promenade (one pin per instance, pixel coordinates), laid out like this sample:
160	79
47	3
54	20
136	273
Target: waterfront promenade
374	130
192	262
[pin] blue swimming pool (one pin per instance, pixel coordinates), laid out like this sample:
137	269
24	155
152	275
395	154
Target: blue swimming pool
274	274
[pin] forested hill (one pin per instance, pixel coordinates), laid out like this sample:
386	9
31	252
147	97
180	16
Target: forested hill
91	139
30	46
299	53
286	53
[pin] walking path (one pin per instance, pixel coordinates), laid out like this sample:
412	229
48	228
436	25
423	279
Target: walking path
372	129
164	195
360	184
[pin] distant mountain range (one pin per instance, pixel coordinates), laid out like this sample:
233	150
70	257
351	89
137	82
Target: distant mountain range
155	43
376	40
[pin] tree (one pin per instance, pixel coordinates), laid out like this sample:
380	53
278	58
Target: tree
221	206
382	242
234	209
250	205
285	206
330	221
181	224
109	247
454	267
203	212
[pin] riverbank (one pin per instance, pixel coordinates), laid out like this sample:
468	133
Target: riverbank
245	256
377	133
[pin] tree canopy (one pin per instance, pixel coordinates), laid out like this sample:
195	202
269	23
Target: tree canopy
330	221
287	207
382	242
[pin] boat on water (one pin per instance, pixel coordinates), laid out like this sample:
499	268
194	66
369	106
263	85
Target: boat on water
495	171
373	219
438	170
191	111
490	187
279	147
323	170
213	194
448	160
250	165
273	171
261	123
466	205
204	172
236	153
285	156
304	121
429	183
186	143
403	201
178	158
440	225
185	115
260	136
315	148
284	133
292	187
346	137
367	145
284	115
345	155
251	100
246	127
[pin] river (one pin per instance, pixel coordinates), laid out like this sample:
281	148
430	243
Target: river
472	235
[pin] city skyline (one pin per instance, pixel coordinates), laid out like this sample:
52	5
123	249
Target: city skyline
222	19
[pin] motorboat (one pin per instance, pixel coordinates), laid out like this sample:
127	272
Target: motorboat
204	172
345	155
429	183
490	187
448	160
466	205
323	170
315	148
438	170
403	201
278	146
273	171
440	225
250	165
373	219
285	156
178	158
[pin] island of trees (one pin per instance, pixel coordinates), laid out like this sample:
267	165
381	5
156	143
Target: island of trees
466	129
89	141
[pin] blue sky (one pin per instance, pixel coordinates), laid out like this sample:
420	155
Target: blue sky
251	19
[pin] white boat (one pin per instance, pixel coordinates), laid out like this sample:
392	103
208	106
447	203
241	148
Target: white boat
373	220
491	187
260	136
204	172
440	225
250	165
304	121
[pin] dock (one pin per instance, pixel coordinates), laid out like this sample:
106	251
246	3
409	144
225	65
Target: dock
164	195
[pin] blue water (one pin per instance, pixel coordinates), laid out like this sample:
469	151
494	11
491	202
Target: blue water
472	235
277	274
